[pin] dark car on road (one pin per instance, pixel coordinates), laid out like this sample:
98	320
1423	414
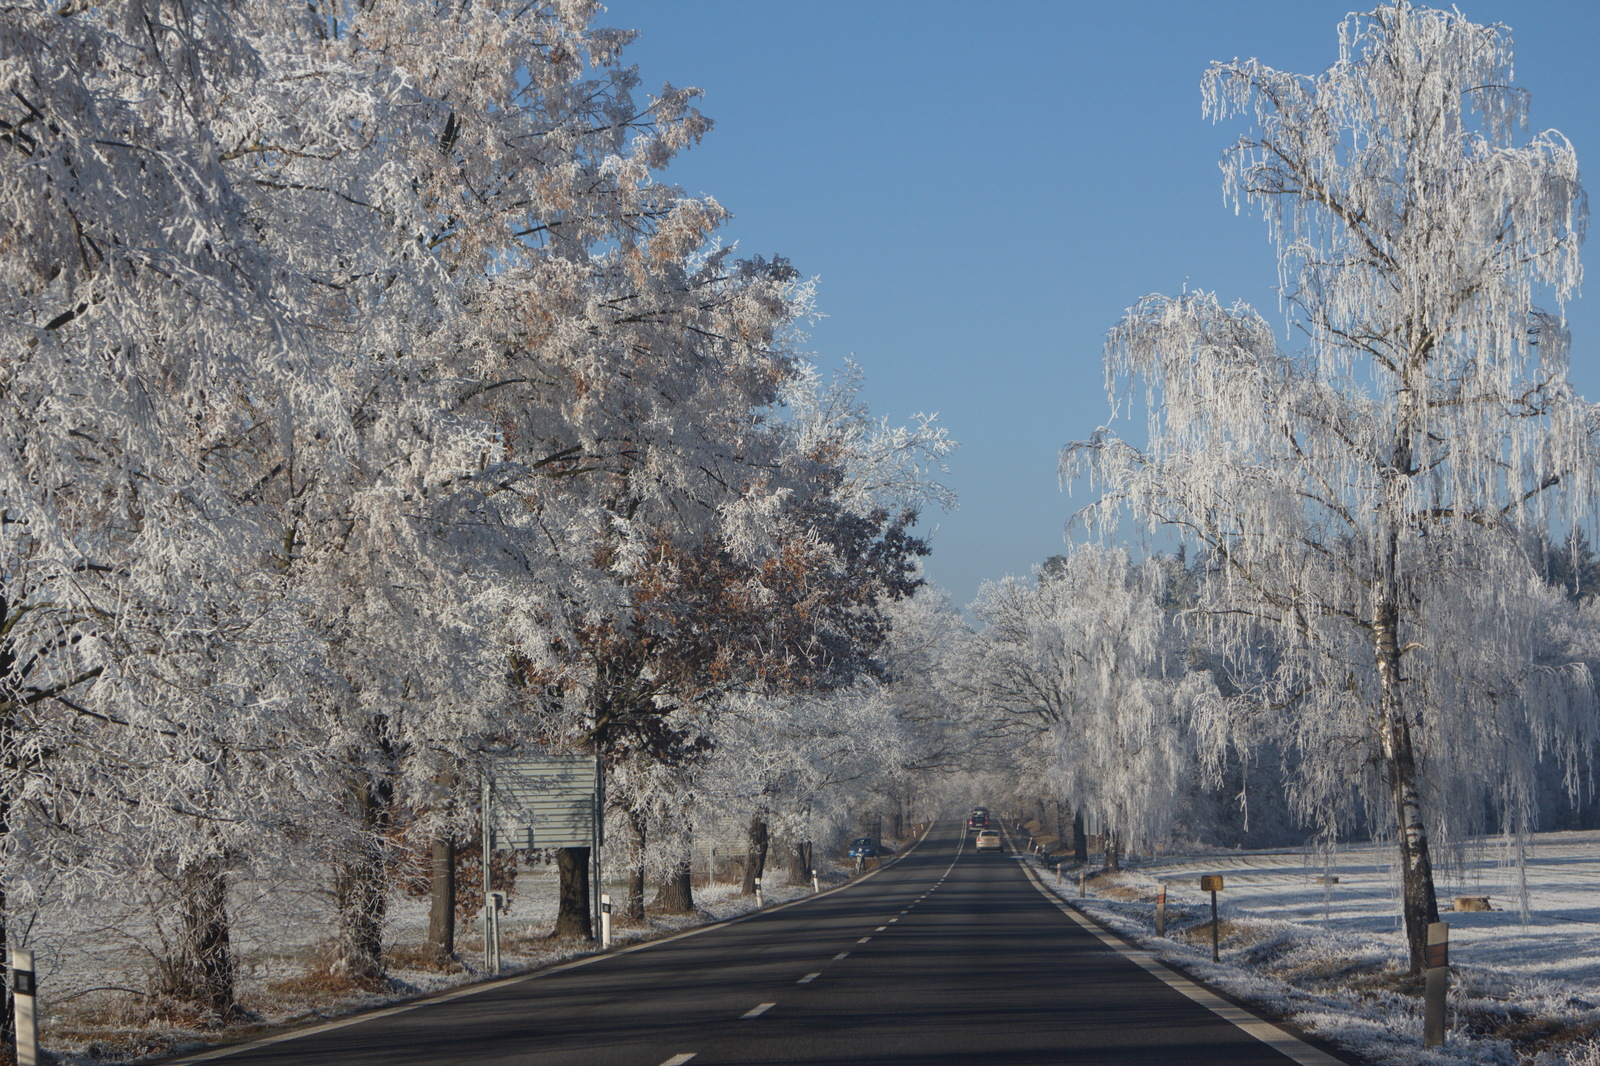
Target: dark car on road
978	819
865	848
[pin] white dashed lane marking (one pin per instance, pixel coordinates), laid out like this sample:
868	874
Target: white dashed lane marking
880	928
808	978
679	1060
863	940
758	1010
842	955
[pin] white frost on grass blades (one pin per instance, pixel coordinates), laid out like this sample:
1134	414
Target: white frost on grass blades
107	944
1309	951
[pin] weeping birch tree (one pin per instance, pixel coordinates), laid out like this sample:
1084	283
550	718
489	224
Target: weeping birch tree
1368	502
1086	656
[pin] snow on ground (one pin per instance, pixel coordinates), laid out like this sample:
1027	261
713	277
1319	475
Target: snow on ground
1329	956
97	959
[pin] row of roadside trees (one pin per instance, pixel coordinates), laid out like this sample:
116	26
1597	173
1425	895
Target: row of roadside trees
1371	606
369	407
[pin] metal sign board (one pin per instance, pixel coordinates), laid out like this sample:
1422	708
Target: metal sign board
546	801
728	833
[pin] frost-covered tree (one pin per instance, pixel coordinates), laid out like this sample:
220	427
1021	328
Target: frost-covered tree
368	405
1088	658
151	662
1367	501
341	341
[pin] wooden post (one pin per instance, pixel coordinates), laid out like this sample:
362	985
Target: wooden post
1215	957
1081	886
1161	911
1436	983
1213	883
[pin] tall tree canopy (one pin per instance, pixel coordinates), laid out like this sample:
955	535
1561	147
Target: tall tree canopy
1369	500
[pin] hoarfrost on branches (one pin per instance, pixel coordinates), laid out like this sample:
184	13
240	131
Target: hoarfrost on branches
368	406
1087	657
1368	505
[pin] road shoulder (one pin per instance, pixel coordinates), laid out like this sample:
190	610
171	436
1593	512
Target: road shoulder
1281	1035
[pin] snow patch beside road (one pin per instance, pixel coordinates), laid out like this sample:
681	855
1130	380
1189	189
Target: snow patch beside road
1329	957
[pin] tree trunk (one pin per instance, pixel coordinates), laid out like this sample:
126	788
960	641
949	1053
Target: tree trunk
756	861
360	889
633	906
201	970
360	895
442	899
800	871
1080	839
676	894
1419	903
1113	854
573	918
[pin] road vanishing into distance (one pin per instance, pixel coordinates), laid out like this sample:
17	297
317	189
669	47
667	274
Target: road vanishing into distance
945	956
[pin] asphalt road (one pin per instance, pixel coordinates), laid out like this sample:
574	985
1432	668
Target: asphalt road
945	957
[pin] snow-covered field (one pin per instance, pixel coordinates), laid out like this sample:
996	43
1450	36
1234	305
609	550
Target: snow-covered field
1329	955
97	960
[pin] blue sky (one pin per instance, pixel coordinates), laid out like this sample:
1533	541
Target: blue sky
983	189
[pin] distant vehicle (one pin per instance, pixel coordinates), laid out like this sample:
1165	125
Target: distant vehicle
979	818
865	848
988	840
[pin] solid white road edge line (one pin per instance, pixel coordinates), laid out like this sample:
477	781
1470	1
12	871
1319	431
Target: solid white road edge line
758	1010
486	986
1275	1037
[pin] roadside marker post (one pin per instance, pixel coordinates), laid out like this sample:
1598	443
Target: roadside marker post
23	993
485	868
1213	883
758	894
605	921
1082	888
1436	983
496	904
814	886
1161	911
